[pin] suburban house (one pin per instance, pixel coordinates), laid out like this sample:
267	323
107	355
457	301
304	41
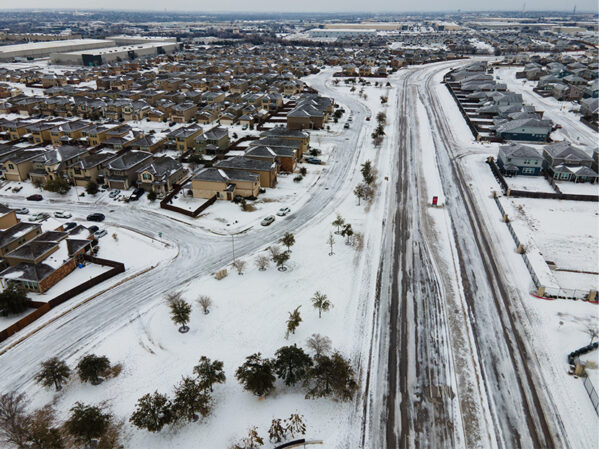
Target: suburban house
89	168
213	141
184	137
225	184
150	142
40	263
68	132
281	132
285	157
20	163
121	172
530	129
568	163
14	232
265	169
55	162
183	113
160	174
517	159
310	112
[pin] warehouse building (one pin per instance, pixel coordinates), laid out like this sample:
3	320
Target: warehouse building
101	56
132	40
33	50
340	33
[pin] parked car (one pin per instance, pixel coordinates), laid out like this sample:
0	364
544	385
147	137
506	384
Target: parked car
267	220
367	119
22	211
137	194
99	234
17	189
313	160
62	214
283	211
93	229
114	193
35	197
69	225
96	216
39	216
346	126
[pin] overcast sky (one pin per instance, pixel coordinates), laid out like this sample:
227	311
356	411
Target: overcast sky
307	5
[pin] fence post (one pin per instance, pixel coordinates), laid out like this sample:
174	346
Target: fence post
541	291
505	218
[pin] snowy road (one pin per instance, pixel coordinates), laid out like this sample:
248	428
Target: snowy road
199	253
497	398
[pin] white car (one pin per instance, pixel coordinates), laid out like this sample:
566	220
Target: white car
62	214
283	211
114	193
40	216
100	233
22	211
267	220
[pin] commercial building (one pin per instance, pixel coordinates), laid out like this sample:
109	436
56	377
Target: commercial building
341	33
101	56
123	39
44	49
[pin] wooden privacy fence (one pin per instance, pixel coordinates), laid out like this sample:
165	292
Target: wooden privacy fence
164	204
41	308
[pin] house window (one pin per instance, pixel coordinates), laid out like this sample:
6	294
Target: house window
527	171
147	177
11	167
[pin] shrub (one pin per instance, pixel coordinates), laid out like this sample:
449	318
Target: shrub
221	274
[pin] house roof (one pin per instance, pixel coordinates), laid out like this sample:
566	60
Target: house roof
128	160
27	272
15	232
519	151
564	150
245	163
225	175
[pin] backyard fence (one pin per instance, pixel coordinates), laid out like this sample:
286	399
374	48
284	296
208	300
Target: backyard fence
164	204
43	308
588	386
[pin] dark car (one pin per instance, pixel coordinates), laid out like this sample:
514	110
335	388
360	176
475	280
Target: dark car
93	229
69	225
35	197
313	160
96	217
137	194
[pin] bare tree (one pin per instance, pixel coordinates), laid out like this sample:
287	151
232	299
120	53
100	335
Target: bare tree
331	243
205	302
592	331
239	265
319	344
262	262
275	250
14	420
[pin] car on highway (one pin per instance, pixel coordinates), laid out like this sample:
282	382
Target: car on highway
137	194
69	225
100	233
268	220
22	211
96	216
283	211
35	197
313	160
114	193
39	216
62	214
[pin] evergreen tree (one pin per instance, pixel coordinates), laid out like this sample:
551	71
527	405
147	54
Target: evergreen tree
277	432
152	412
58	185
54	372
209	373
331	376
295	425
288	240
320	302
180	311
13	300
91	188
152	196
256	375
293	322
87	422
190	399
91	367
280	260
367	173
291	364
